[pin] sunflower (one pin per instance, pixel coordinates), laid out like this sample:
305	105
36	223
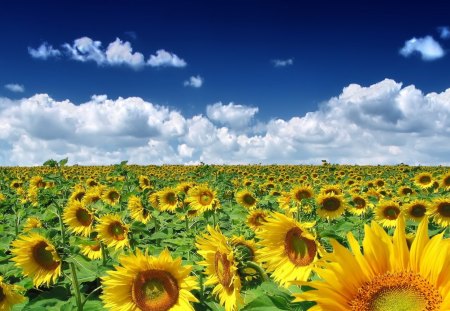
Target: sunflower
405	191
37	257
256	219
9	295
92	251
330	205
387	213
359	205
78	193
331	189
111	196
16	184
137	210
299	193
245	250
31	223
79	219
168	200
416	210
424	180
91	182
144	282
246	199
184	186
92	195
202	198
144	182
445	181
221	268
112	231
386	275
287	248
153	199
441	211
284	201
37	181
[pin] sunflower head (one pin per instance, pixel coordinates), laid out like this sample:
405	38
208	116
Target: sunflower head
9	295
301	193
359	205
32	223
137	210
256	219
92	251
168	200
112	231
330	206
78	218
441	211
111	196
202	198
416	210
246	199
144	182
424	180
387	213
445	181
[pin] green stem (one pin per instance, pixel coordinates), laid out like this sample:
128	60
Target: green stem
61	224
90	294
255	266
16	220
214	218
299	211
186	223
76	286
104	258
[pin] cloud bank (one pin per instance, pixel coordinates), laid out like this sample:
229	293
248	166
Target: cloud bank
385	123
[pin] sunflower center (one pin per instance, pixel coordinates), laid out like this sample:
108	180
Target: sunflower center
79	195
391	212
249	199
360	203
205	198
300	250
95	247
331	204
222	267
113	195
171	198
84	217
425	179
302	194
444	209
155	290
44	257
406	191
447	181
418	210
117	230
400	291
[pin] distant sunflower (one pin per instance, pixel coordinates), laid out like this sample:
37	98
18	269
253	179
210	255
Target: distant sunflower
32	223
78	218
112	231
416	210
405	190
331	189
424	180
91	182
440	210
445	181
137	210
92	195
300	193
288	250
153	199
111	196
330	205
92	251
37	181
184	186
385	275
37	257
359	205
144	182
221	268
246	199
202	198
256	219
387	212
9	295
168	200
77	194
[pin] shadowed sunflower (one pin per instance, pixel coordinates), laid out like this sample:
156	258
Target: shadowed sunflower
416	210
405	191
9	295
441	212
37	257
202	198
221	268
246	199
445	181
330	205
331	189
149	283
153	199
112	231
78	218
359	205
300	193
92	251
77	193
168	200
287	248
144	182
424	180
245	250
387	213
92	195
32	223
111	196
256	219
386	275
137	210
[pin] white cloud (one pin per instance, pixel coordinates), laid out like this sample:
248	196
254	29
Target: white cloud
385	123
117	53
236	116
194	81
444	32
165	59
427	47
14	87
44	51
282	62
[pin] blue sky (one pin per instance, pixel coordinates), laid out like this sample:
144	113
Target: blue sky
266	61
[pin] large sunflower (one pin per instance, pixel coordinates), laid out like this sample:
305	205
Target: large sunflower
287	248
112	231
149	283
386	275
202	198
37	257
221	268
246	199
424	180
9	295
441	211
330	205
445	181
79	219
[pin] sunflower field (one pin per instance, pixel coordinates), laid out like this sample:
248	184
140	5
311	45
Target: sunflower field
211	237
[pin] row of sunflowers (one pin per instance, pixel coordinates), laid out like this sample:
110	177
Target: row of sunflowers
277	237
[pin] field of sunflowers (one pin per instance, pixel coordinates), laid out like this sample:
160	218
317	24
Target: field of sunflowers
210	237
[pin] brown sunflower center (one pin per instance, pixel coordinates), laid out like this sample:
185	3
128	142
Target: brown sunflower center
79	195
95	247
248	199
302	194
155	290
406	191
117	231
84	217
360	203
418	210
222	267
425	179
206	198
300	250
444	209
44	257
380	183
113	196
446	181
331	204
171	198
400	291
391	212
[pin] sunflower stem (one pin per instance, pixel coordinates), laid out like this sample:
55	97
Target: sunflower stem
16	220
61	224
89	295
255	266
299	211
186	223
76	286
104	258
214	218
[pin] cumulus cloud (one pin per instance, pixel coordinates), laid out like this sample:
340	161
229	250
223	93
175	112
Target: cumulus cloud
428	48
118	52
444	32
194	81
282	62
14	87
165	59
44	51
384	123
